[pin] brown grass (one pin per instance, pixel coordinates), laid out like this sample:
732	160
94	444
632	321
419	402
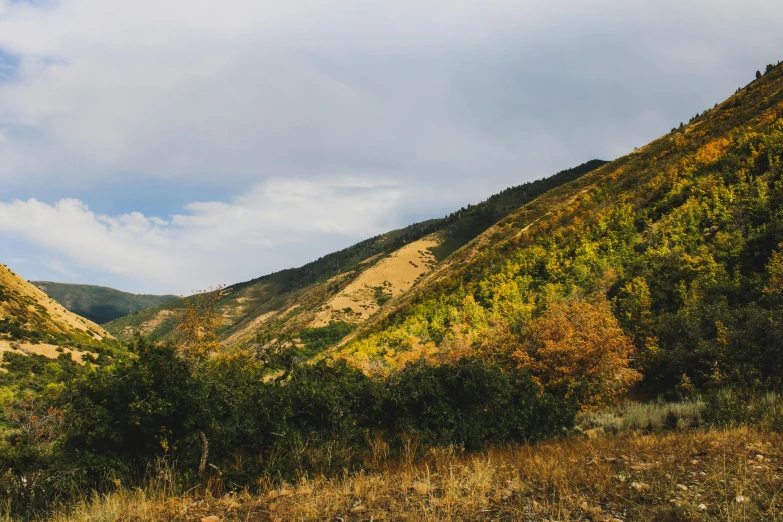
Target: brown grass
47	350
732	475
396	273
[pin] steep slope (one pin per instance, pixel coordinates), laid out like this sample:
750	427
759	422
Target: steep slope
32	322
683	237
349	286
100	304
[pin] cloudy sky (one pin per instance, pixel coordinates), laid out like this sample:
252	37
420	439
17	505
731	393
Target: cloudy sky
169	146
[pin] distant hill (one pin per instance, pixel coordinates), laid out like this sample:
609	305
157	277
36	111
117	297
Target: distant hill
33	322
100	304
349	286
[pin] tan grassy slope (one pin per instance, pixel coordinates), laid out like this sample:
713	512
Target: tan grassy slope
351	297
383	279
31	319
678	476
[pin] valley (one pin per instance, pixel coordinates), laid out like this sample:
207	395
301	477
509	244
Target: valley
602	344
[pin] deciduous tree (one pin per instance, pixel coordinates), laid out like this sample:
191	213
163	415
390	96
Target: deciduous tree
577	350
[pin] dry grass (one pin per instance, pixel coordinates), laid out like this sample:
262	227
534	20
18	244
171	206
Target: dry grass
396	273
47	350
650	416
683	475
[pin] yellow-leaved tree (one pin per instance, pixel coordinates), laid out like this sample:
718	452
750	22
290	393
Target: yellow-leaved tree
775	272
198	338
576	349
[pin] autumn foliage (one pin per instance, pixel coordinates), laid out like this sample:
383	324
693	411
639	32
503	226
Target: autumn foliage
775	271
577	350
198	337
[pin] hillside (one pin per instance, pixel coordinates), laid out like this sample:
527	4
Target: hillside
344	288
99	303
681	240
32	322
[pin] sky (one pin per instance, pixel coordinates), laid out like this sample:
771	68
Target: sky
172	146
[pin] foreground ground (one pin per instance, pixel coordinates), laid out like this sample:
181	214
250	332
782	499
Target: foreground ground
688	475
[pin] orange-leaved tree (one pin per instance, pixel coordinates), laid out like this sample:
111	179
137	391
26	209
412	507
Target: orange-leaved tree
198	337
577	349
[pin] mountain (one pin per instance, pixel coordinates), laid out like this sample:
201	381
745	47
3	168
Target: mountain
341	290
676	248
33	322
681	240
99	303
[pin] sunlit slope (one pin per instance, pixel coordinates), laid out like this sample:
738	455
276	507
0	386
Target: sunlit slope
680	236
99	303
348	286
31	321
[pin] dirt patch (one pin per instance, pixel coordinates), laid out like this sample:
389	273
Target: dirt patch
47	350
387	278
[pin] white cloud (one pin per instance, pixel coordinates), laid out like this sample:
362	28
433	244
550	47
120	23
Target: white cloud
256	89
212	242
453	100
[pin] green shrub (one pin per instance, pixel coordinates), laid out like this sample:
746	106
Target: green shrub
735	408
470	404
154	405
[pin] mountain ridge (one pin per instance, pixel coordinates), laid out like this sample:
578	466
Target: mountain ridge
294	297
100	304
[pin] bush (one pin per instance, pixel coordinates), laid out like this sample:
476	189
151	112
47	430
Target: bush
735	408
124	416
471	403
320	419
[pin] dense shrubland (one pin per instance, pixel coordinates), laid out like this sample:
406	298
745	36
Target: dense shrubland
224	419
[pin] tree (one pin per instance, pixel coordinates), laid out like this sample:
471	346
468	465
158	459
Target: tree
577	350
758	74
198	329
775	272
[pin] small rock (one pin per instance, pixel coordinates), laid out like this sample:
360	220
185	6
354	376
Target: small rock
682	487
640	486
740	499
211	518
358	509
760	458
703	507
